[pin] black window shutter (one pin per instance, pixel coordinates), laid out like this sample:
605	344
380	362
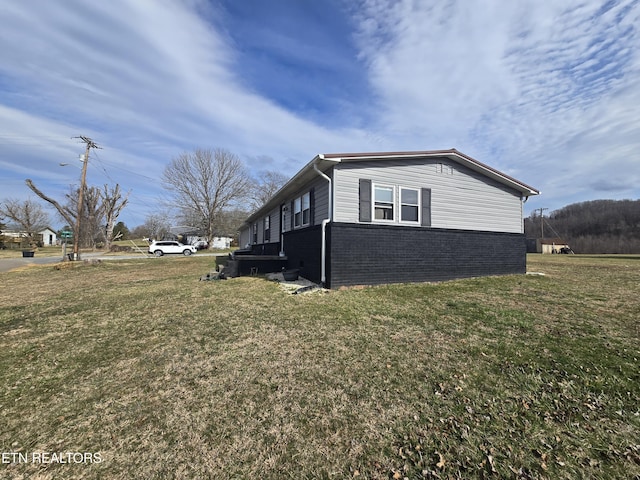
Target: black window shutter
365	200
292	214
312	207
426	207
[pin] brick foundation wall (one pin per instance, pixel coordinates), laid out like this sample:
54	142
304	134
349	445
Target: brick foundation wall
303	250
375	254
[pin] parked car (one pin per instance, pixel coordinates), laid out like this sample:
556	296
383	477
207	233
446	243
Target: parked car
162	247
201	245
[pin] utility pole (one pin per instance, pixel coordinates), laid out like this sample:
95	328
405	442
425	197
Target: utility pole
83	181
541	221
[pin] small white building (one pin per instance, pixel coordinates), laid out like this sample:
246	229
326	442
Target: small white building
49	237
221	242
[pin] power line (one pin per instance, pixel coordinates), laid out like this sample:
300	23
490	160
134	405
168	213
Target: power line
118	167
95	154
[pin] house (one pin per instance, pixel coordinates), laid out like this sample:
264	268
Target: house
46	236
373	218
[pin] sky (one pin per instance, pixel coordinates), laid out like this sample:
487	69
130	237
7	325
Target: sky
545	91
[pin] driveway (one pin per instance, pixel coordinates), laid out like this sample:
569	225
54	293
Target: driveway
7	264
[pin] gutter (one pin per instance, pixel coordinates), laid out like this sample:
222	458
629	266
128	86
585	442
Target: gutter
325	222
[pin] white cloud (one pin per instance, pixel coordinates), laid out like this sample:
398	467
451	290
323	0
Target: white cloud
545	91
146	80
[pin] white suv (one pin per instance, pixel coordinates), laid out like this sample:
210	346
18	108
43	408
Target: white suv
167	246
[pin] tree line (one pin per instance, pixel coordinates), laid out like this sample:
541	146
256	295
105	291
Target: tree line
596	226
211	193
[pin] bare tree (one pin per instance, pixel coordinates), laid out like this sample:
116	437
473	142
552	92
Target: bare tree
204	184
112	204
28	215
265	187
154	227
92	214
230	221
101	207
65	213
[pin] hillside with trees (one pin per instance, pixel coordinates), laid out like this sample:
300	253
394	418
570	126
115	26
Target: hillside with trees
597	226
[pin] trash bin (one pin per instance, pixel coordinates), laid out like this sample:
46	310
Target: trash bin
290	275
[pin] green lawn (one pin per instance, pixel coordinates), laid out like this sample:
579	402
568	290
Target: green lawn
158	375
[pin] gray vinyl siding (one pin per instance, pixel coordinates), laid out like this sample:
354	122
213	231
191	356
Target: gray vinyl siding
321	198
462	199
321	193
245	237
274	228
275	225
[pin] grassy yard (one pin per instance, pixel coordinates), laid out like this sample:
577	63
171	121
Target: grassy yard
40	251
156	375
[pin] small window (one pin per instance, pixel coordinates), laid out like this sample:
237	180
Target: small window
297	212
409	205
255	233
302	210
383	203
267	228
306	208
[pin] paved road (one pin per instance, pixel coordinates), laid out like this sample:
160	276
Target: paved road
7	264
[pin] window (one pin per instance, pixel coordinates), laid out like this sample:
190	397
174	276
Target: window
306	208
302	210
267	228
255	233
409	205
383	204
393	204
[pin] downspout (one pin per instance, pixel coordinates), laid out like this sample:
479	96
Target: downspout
323	254
523	200
281	223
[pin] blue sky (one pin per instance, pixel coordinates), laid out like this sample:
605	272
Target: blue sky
547	92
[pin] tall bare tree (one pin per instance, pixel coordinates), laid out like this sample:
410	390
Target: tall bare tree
112	204
265	186
204	183
100	208
28	215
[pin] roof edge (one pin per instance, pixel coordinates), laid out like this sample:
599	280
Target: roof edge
452	152
335	158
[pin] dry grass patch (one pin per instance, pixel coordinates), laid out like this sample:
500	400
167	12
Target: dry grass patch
169	377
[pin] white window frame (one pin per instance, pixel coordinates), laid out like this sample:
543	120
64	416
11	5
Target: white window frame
299	205
393	203
418	205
